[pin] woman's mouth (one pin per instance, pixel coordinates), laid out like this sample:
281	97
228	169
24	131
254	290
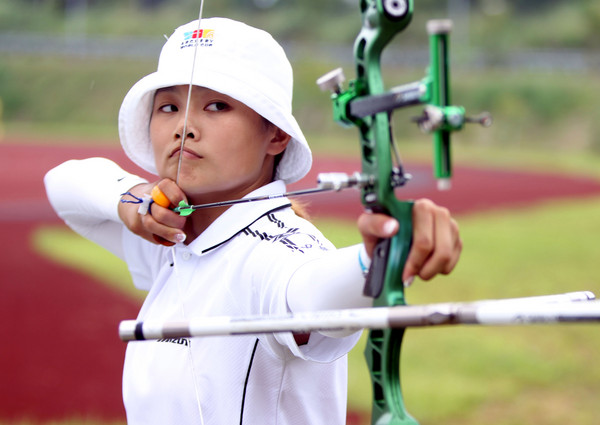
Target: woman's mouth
186	153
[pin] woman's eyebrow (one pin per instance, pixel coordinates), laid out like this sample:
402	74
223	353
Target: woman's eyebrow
165	89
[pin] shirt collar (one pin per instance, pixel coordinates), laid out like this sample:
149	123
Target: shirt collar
238	217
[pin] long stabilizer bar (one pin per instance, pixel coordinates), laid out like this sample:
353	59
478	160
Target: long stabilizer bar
573	307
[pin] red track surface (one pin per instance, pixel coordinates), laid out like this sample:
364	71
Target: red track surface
61	357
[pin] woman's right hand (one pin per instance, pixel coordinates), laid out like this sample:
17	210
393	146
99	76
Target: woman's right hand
160	225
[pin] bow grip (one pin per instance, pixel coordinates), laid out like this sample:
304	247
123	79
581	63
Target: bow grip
384	281
382	351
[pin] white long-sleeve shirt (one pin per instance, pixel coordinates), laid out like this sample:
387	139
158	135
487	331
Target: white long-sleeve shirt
256	258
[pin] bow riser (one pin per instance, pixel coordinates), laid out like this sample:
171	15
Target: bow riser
384	282
368	106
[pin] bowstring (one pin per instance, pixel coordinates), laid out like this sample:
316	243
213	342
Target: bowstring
173	253
189	94
185	317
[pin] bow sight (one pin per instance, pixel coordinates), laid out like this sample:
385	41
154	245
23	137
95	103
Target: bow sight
366	97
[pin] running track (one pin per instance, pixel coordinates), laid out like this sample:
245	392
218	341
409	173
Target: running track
61	357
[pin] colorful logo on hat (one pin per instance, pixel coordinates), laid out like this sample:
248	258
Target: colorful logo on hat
202	33
201	37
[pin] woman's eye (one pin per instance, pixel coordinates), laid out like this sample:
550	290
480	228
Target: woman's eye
168	108
217	106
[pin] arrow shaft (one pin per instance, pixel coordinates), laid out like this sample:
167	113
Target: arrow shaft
563	308
254	199
328	182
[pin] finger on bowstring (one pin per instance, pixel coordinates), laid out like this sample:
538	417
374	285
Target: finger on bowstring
166	216
167	194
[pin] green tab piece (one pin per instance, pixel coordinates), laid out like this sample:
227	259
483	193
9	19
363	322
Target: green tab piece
184	209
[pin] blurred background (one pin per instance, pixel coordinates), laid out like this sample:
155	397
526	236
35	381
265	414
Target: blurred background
533	63
65	66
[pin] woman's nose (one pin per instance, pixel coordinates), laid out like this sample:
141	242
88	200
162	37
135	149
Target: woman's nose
189	134
187	128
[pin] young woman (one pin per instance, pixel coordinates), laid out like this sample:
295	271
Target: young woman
241	140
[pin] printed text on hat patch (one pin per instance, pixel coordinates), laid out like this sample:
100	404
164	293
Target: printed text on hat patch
202	38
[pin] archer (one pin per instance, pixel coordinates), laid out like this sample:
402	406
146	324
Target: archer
226	135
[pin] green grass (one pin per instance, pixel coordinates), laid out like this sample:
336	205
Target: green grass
84	256
472	375
78	100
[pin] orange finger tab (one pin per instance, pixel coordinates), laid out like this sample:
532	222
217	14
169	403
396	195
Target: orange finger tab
160	198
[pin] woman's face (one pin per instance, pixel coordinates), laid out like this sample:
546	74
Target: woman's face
229	148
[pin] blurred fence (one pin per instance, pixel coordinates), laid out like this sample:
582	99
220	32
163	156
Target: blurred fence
548	60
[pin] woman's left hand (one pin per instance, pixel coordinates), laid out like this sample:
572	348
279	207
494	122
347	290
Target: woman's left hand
436	244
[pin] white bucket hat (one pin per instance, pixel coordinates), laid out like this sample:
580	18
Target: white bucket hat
232	58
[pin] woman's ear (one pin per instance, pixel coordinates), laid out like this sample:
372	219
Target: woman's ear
279	141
